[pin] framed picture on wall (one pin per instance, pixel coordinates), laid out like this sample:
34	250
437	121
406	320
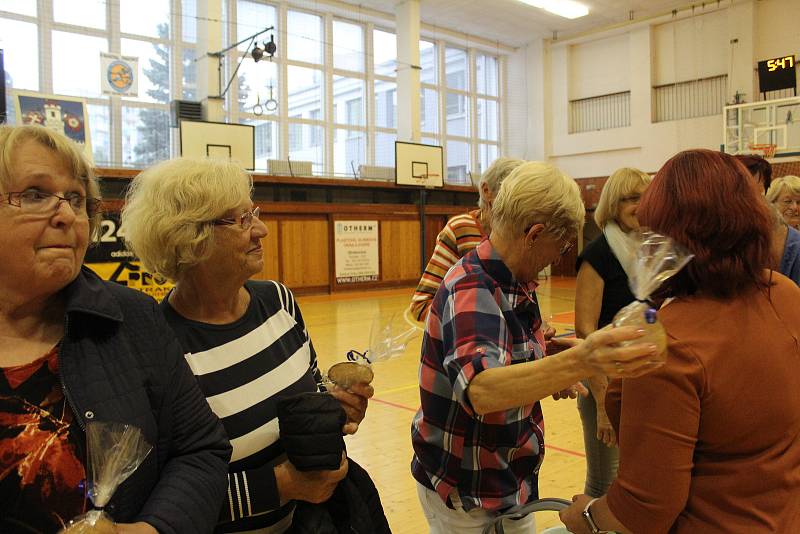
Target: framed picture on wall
60	113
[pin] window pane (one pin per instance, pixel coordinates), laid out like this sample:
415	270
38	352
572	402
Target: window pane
487	73
384	45
80	12
348	46
252	17
457	114
457	162
430	141
305	90
267	134
79	78
21	54
189	84
145	17
348	101
487	119
189	20
145	136
349	151
23	7
384	149
486	156
153	69
100	134
455	68
304	34
428	62
385	104
429	110
254	83
307	143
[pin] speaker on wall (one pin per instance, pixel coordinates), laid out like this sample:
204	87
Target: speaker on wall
2	89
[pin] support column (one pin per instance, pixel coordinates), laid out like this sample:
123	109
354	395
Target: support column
408	88
209	39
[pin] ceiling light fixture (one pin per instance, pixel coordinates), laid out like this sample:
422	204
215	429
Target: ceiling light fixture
568	9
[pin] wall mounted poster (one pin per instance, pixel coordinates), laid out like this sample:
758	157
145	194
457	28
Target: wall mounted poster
119	75
356	251
112	261
60	113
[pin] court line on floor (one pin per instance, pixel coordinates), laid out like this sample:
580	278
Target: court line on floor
546	446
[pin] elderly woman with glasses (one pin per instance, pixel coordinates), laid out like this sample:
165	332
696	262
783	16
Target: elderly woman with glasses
478	437
193	222
604	268
784	193
710	442
75	349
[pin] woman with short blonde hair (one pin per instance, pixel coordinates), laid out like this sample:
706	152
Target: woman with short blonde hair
784	192
601	290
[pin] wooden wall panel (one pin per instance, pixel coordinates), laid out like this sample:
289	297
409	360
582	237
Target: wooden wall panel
433	225
400	250
271	247
304	252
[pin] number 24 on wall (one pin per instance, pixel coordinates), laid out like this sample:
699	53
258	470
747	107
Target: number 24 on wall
780	63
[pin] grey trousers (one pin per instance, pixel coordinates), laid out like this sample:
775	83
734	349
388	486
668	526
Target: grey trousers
601	461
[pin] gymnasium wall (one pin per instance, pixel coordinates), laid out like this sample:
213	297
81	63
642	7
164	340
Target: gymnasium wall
719	39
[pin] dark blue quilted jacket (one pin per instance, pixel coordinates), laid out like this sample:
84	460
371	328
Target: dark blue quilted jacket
119	361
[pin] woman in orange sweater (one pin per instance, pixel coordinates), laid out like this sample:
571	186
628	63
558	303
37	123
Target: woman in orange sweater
711	441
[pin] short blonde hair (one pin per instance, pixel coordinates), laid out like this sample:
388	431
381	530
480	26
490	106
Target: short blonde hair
169	207
538	192
788	182
11	137
494	176
620	184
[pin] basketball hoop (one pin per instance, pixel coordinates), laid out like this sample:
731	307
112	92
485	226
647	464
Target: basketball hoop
768	150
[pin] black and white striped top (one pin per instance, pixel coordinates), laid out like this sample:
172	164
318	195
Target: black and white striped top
243	368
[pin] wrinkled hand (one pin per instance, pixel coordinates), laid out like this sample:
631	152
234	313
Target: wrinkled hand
560	344
572	517
605	432
135	528
310	486
354	401
571	392
601	352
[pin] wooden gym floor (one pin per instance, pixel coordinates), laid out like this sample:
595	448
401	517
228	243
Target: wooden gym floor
338	323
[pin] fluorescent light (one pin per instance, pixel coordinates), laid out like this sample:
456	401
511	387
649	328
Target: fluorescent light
568	9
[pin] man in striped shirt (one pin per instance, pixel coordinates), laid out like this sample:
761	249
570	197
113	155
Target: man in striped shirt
478	437
461	234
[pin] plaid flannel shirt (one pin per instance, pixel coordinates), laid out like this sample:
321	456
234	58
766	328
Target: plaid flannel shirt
481	318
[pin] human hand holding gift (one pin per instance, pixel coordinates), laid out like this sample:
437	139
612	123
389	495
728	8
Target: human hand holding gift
350	381
114	452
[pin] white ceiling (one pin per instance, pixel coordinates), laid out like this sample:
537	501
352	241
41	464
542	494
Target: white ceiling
513	23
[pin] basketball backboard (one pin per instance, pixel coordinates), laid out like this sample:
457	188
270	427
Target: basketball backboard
219	140
770	128
417	164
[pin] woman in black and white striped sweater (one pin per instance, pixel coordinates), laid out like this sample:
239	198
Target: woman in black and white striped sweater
194	222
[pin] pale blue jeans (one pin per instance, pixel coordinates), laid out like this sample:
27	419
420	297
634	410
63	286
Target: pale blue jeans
601	461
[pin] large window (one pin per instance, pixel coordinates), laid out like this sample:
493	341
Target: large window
332	85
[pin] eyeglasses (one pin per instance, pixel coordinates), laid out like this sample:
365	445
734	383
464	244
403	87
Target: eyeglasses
245	220
41	202
565	247
788	202
633	199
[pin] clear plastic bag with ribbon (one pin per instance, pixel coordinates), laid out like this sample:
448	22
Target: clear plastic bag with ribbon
657	258
387	339
114	451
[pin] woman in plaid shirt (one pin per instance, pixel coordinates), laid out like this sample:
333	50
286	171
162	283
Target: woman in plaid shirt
479	435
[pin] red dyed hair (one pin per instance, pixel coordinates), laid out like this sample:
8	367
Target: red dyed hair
708	202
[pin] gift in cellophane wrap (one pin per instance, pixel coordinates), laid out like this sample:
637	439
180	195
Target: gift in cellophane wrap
657	258
114	451
387	339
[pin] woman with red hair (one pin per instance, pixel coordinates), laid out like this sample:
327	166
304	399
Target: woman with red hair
710	442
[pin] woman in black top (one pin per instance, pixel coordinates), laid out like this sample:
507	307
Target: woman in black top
601	291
